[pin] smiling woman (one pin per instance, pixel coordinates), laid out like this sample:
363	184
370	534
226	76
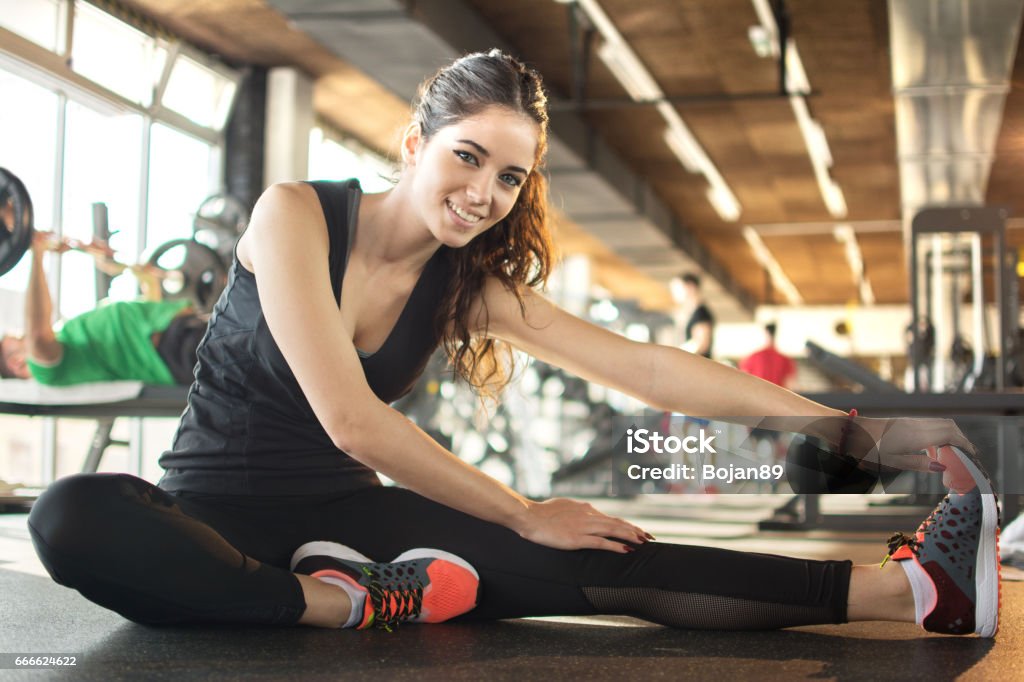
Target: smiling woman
334	305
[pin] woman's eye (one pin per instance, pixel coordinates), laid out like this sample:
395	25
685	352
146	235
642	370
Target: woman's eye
511	180
465	156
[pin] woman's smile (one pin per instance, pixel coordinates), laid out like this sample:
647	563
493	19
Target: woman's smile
461	217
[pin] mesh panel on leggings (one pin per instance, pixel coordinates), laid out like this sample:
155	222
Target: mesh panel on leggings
696	611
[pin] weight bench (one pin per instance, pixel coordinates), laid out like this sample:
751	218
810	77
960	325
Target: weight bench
103	402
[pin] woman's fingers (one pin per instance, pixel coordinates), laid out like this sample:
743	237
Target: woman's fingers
616	528
594	542
622	528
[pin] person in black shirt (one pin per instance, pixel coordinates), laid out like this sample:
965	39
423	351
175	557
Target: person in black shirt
270	510
700	326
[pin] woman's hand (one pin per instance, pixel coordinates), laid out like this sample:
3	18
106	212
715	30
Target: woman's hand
569	524
901	443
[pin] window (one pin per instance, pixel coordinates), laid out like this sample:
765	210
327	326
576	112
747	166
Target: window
200	93
182	173
115	55
102	163
332	160
41	21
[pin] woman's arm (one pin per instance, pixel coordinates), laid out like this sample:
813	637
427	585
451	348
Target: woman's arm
663	377
674	380
287	244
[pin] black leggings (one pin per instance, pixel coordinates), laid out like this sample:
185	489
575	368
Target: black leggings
158	558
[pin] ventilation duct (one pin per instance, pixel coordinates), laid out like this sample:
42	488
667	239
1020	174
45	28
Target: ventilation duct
951	65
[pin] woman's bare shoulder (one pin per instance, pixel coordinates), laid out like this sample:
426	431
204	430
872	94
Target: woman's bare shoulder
285	210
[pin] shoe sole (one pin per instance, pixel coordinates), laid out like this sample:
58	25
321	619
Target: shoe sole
326	548
987	569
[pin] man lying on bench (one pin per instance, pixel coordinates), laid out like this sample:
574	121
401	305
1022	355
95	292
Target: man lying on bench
150	341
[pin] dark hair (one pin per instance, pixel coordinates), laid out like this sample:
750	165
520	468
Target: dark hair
691	278
517	251
770	328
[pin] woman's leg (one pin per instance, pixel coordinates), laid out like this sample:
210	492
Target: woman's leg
133	548
880	594
683	586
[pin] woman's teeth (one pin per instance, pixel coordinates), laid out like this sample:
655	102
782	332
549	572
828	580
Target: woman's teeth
468	217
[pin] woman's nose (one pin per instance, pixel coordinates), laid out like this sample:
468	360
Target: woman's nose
479	193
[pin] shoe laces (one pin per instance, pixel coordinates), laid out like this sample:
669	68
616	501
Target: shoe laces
394	604
898	539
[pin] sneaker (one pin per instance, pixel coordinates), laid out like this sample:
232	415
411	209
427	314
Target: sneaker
958	548
419	586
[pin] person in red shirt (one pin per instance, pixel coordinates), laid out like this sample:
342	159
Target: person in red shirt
768	363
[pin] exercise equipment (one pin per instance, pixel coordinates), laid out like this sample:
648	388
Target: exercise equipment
182	268
220	220
16	215
194	271
947	247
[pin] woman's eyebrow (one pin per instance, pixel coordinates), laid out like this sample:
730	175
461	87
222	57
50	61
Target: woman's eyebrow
486	153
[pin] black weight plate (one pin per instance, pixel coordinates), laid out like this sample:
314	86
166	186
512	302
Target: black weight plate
204	275
15	242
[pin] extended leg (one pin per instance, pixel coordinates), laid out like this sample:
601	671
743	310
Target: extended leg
676	585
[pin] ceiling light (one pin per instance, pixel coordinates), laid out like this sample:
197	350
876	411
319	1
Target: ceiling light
768	262
680	140
846	236
796	77
724	202
835	202
768	25
628	70
760	40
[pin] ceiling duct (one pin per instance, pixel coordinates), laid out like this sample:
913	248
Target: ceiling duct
951	64
399	46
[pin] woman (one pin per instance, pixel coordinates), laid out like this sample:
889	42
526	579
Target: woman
273	465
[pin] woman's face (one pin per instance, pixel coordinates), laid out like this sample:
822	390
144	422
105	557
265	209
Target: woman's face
469	174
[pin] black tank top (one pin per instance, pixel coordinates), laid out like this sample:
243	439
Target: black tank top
248	428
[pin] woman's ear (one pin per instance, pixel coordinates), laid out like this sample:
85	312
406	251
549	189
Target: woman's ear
411	139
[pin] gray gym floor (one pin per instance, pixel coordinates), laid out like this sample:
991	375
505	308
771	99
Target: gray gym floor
40	616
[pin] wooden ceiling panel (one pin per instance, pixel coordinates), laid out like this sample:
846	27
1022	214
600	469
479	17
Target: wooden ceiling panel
844	46
693	49
747	272
816	265
885	265
755	143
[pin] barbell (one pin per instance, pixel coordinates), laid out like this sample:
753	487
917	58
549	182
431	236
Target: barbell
184	268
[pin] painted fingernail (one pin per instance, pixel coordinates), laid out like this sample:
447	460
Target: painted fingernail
936	466
651	537
628	548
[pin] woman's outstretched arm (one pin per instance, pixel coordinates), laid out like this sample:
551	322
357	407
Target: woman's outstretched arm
287	245
674	380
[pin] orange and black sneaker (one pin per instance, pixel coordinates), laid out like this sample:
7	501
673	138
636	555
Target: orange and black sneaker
957	548
419	586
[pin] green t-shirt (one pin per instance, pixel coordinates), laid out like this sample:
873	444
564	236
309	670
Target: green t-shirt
112	343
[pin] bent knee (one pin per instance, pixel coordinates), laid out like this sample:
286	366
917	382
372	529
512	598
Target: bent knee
74	509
